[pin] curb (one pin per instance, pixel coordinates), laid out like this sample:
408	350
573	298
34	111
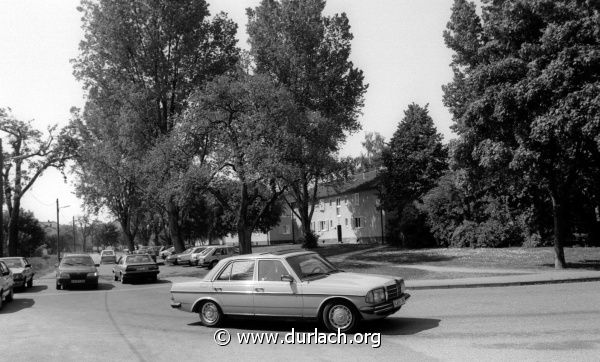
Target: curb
502	284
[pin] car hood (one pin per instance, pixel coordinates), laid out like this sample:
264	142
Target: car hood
347	283
78	269
17	270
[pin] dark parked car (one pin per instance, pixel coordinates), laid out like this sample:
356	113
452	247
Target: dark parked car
138	266
22	271
76	270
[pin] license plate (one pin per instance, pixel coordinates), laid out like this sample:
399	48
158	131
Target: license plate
398	302
141	268
77	281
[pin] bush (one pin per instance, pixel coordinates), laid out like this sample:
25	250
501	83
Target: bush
310	241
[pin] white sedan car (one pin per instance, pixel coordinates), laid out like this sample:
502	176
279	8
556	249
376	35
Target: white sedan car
297	284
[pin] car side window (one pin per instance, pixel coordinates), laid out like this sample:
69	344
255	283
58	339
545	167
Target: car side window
271	270
226	273
238	270
2	268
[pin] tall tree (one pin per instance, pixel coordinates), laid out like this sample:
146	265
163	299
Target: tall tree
526	94
414	160
30	153
139	61
309	54
247	115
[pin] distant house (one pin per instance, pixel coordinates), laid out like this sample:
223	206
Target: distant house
345	212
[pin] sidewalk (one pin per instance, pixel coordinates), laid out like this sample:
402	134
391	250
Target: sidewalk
512	277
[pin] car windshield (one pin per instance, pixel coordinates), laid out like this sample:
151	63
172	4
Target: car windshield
14	262
77	260
199	250
207	251
311	265
108	252
187	251
139	259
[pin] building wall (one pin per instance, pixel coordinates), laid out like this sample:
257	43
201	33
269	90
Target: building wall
356	213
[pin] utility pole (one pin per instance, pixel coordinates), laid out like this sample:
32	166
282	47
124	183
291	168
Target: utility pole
73	233
1	201
57	232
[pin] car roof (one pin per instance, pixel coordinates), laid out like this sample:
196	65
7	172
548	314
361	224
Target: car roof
76	255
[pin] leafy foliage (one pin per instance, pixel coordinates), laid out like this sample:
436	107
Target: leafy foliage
525	95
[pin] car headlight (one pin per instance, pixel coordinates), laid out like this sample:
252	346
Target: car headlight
402	286
92	275
375	296
64	275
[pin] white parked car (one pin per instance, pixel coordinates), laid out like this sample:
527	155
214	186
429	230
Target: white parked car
210	256
297	284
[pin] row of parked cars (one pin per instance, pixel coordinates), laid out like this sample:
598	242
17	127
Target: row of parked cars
15	272
202	256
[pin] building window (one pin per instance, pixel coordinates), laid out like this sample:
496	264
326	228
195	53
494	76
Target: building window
358	222
338	206
331	223
356	199
322	205
323	225
330	202
286	229
337	202
346	222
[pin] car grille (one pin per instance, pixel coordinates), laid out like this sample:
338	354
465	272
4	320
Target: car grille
393	291
78	275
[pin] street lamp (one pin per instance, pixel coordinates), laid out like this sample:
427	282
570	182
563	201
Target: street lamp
58	228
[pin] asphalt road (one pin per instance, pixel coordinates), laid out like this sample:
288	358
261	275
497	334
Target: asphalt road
558	322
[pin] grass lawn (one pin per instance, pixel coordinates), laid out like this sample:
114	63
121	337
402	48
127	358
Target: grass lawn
503	258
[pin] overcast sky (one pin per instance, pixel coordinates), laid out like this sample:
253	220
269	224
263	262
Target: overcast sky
397	43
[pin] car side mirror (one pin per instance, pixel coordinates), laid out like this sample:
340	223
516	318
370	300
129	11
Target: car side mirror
287	278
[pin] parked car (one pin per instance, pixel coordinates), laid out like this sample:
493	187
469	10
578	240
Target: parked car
6	284
211	255
108	256
145	251
193	256
166	252
291	284
185	258
138	266
21	270
76	270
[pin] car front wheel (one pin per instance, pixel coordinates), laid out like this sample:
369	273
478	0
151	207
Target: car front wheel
339	315
210	314
30	283
10	295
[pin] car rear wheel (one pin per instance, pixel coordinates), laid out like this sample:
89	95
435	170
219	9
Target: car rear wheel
30	283
210	314
339	315
116	278
58	286
122	277
10	295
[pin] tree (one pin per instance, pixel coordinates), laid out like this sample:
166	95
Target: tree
526	94
30	154
31	234
374	145
308	53
139	61
247	116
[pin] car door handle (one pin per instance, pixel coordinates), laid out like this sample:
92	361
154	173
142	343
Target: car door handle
217	289
260	290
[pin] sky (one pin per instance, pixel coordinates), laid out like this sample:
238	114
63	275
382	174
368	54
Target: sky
397	43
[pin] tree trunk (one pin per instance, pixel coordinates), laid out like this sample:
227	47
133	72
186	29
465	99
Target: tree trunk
13	230
173	214
125	224
244	235
559	213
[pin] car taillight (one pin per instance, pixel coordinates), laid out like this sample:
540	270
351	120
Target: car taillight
130	268
153	267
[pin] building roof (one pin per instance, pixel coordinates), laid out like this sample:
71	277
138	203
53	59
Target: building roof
358	182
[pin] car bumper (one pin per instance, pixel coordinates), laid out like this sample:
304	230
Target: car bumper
384	309
108	260
141	274
74	282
